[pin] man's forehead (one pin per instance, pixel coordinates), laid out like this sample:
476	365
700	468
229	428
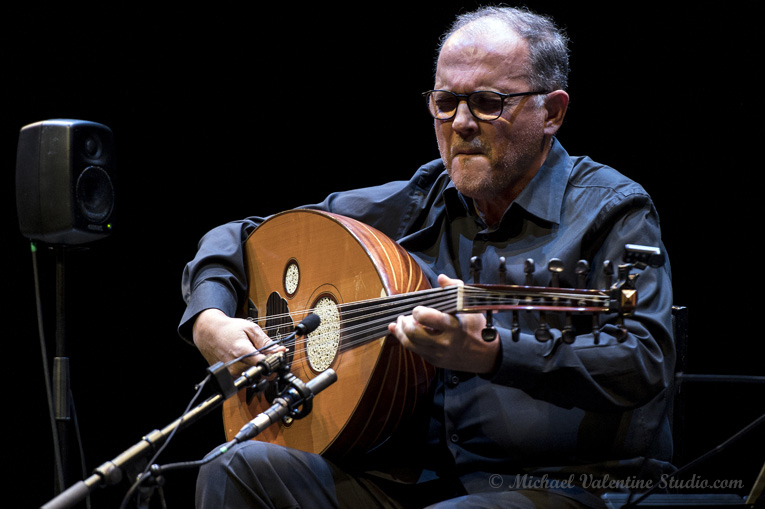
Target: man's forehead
491	34
488	42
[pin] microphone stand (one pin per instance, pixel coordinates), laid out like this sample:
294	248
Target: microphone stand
111	472
286	404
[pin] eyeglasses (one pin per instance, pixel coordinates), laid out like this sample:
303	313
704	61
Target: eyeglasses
483	104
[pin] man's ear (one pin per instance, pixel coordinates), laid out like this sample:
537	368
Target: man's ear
556	104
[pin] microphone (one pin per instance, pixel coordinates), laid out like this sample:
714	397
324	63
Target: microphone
298	394
305	327
308	325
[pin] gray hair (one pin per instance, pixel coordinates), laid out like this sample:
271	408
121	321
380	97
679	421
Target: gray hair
548	46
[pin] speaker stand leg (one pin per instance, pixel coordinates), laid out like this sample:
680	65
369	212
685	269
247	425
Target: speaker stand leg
61	374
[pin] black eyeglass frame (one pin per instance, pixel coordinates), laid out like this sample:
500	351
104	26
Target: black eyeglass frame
466	97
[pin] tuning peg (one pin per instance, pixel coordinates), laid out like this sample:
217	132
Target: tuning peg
542	333
643	256
555	266
475	269
596	329
489	333
502	270
608	273
516	327
621	330
569	332
528	269
582	271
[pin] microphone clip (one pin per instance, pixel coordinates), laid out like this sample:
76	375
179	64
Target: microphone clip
219	382
294	391
295	402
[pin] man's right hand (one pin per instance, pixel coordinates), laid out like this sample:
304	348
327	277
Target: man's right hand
222	338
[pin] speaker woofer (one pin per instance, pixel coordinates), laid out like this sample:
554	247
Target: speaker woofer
95	194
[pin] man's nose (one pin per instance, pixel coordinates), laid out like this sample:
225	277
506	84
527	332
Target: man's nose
463	119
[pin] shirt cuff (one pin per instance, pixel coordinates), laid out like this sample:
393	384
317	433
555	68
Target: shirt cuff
519	358
207	295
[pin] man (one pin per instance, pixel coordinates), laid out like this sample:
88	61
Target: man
514	422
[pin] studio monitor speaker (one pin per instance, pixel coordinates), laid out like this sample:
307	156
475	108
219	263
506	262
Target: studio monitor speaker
65	181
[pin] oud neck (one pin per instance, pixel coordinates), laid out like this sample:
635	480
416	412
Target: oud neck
369	319
373	316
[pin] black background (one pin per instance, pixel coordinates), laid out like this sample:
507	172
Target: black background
222	112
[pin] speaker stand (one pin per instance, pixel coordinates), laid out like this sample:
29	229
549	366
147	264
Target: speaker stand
61	390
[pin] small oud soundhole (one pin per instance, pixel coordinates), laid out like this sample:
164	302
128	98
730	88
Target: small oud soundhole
322	344
291	278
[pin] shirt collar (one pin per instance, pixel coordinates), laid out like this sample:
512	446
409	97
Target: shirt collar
455	203
542	197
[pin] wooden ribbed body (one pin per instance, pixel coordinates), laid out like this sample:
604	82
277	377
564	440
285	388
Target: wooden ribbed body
379	383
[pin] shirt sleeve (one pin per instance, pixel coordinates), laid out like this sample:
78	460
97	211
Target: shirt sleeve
216	277
606	372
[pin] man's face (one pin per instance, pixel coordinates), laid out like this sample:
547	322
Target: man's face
489	159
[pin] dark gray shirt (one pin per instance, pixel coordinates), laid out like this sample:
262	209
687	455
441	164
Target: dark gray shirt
569	411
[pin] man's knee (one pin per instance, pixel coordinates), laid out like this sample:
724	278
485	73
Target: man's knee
260	471
252	459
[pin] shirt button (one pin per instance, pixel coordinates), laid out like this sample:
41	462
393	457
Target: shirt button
454	438
454	380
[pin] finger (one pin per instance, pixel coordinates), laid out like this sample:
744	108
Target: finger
397	330
406	327
434	321
256	336
444	281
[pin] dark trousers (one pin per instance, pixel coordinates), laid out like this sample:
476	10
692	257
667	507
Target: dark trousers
257	474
